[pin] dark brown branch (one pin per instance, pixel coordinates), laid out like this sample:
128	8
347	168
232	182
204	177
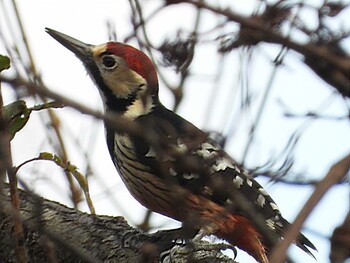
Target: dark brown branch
54	231
74	235
325	61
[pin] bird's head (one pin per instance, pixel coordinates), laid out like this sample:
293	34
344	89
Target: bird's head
125	76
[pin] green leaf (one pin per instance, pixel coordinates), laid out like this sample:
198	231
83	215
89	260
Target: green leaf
17	114
46	156
4	62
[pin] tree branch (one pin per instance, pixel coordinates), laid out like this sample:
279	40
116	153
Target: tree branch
334	175
330	64
56	233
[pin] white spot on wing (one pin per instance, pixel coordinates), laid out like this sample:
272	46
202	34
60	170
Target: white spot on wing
182	148
207	190
172	171
261	200
229	202
238	181
190	176
222	164
207	151
262	191
274	206
208	146
151	153
270	223
274	222
279	224
249	182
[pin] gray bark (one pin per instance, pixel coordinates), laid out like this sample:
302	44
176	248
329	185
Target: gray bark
56	233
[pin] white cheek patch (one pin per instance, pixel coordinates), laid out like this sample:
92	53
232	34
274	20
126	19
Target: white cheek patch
122	81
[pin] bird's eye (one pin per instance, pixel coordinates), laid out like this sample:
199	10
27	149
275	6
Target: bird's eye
109	62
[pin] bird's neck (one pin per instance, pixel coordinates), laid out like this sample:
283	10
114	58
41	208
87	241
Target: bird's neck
133	106
142	105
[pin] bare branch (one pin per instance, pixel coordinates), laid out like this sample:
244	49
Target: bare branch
330	64
335	174
67	235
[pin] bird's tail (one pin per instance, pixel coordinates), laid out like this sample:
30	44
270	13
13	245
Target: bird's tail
302	241
304	244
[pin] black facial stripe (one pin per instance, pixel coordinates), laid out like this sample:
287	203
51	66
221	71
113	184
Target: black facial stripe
120	104
113	103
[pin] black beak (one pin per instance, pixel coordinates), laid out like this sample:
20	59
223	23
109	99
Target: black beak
80	49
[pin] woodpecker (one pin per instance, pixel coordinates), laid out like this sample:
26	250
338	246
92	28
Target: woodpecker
189	178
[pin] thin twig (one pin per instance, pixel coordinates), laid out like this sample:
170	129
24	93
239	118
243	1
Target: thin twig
34	77
335	65
137	12
310	48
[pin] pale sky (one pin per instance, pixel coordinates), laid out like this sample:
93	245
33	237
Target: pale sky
322	143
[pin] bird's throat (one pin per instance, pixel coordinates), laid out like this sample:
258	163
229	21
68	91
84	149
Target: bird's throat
139	107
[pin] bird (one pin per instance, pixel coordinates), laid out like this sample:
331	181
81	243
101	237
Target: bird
182	173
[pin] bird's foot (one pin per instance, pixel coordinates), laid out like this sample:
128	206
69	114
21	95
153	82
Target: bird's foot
198	251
